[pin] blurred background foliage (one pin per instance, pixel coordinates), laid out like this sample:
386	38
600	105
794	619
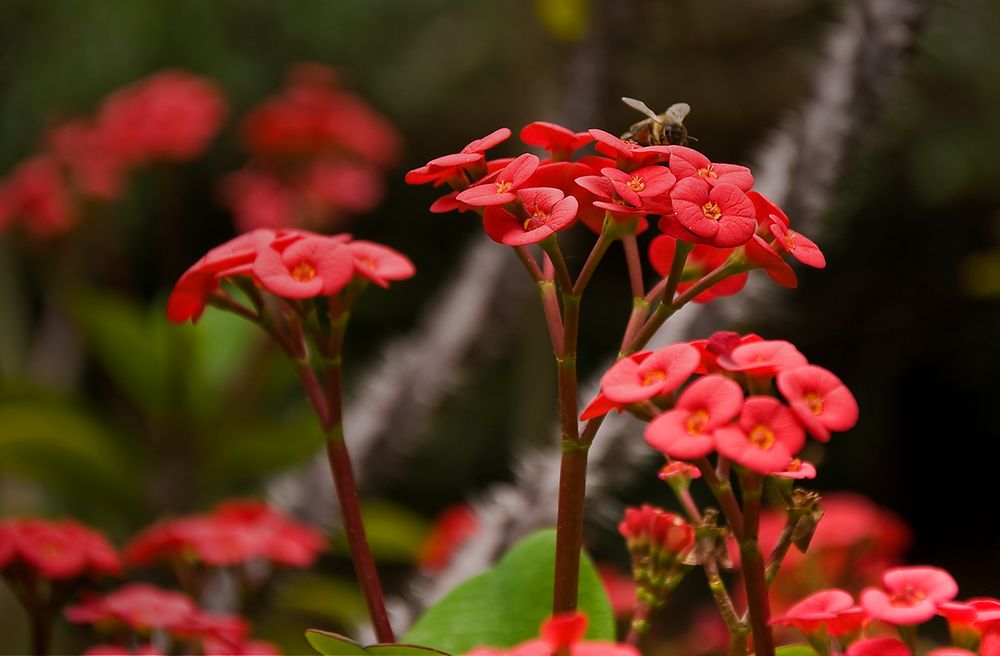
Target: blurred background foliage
110	415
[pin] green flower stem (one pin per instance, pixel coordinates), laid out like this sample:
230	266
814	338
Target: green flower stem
738	629
604	242
752	566
723	491
666	309
681	252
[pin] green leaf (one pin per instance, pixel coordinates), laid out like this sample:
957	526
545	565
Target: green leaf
403	650
323	596
507	605
795	650
131	345
394	533
69	452
331	644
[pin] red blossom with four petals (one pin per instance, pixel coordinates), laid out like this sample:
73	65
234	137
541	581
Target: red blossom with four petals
721	215
819	399
765	438
909	595
548	211
501	188
309	267
687	162
688	431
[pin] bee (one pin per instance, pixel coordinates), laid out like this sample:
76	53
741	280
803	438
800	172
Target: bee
658	129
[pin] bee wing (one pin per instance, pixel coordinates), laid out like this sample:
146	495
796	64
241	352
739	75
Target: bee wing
678	111
640	106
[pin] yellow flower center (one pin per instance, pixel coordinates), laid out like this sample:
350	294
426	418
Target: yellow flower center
696	422
907	597
536	220
814	402
653	377
303	272
762	437
708	172
636	184
504	186
711	211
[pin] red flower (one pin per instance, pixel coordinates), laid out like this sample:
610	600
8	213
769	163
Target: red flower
649	374
701	260
548	211
312	116
688	431
603	189
196	285
721	214
687	162
35	192
760	253
816	610
720	344
629	154
767	436
57	550
563	176
797	470
138	606
647	188
556	139
451	528
500	190
311	266
878	647
678	469
379	263
654	530
235	532
950	651
821	402
911	595
171	115
801	248
763	359
441	169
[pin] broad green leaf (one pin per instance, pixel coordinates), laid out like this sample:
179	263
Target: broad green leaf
507	605
403	650
795	650
331	644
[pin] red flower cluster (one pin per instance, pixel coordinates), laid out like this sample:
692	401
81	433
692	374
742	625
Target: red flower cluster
145	608
656	532
56	550
286	263
710	205
561	632
318	153
908	596
235	532
759	432
169	116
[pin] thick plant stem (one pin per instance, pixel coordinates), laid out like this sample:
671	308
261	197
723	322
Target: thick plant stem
572	470
752	565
